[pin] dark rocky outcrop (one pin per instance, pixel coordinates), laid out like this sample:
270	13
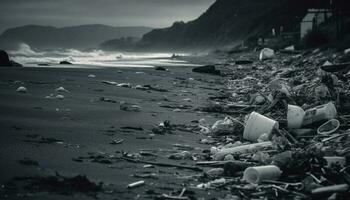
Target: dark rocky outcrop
158	68
65	63
208	69
5	60
15	64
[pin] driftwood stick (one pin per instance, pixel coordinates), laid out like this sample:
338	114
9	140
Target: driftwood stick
289	191
222	163
331	189
165	196
163	164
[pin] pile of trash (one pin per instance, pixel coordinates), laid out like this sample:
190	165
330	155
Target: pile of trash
294	143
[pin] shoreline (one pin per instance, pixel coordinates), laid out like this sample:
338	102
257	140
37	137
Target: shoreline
82	123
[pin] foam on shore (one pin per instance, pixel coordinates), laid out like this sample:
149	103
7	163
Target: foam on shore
31	57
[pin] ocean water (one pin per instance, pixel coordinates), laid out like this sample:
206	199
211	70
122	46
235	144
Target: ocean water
94	58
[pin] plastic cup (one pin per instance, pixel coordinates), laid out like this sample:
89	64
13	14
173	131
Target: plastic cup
319	113
295	116
257	125
256	175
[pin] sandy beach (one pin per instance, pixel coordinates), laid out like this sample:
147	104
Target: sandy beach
175	100
72	136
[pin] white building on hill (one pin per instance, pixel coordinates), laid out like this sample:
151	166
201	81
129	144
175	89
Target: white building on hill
313	19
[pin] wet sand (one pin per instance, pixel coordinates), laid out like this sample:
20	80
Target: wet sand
85	126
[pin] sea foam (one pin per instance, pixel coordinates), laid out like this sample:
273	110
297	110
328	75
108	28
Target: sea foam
27	55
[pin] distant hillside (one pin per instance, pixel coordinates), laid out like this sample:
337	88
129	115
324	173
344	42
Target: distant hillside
79	37
229	21
124	43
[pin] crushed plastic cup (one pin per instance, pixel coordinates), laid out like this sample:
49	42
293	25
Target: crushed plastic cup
215	172
258	174
226	126
324	112
322	91
335	160
258	125
266	53
248	148
295	116
329	127
290	48
214	150
281	86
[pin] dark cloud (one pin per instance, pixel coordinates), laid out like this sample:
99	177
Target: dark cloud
155	13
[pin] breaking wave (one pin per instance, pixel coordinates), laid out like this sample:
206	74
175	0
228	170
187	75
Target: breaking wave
31	57
25	50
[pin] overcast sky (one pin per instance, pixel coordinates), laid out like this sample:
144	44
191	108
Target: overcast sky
153	13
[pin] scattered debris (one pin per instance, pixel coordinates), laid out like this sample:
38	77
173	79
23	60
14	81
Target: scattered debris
161	164
287	135
105	99
132	128
215	172
227	126
109	82
249	148
45	140
124	85
53	96
117	141
60	97
335	160
243	62
163	128
62	89
129	107
290	48
150	88
180	156
21	89
136	184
